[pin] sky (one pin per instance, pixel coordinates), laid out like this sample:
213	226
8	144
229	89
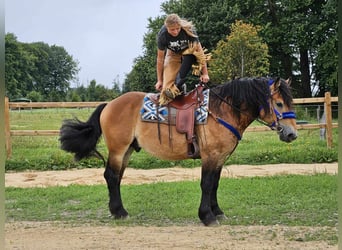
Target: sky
104	36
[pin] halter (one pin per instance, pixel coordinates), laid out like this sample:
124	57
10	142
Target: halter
279	116
273	126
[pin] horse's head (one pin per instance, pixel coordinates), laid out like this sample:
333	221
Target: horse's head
281	117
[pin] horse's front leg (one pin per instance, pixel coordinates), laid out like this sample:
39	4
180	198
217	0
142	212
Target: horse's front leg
214	203
113	180
209	208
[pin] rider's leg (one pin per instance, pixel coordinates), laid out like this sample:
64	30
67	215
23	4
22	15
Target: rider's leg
187	62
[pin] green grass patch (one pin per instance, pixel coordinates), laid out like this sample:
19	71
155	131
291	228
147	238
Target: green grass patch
45	119
287	200
44	153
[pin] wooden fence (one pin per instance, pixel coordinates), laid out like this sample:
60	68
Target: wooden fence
327	100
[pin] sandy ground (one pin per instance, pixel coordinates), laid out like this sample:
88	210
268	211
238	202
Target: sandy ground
137	176
56	235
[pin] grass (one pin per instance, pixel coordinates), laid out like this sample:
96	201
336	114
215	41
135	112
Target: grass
43	153
285	200
45	119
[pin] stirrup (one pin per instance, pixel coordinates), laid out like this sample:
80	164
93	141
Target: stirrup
193	149
184	90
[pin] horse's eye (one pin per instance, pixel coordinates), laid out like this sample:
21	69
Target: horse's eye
279	104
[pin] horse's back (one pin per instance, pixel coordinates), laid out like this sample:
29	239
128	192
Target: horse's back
122	108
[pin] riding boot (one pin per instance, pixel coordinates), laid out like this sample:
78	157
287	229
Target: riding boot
180	83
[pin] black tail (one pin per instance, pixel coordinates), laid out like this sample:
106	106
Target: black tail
80	137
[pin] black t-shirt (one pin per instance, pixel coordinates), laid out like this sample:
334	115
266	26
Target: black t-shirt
176	44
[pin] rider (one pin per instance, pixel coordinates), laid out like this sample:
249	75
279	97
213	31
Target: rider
179	50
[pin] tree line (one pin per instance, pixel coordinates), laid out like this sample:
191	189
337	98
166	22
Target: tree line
288	38
40	72
301	39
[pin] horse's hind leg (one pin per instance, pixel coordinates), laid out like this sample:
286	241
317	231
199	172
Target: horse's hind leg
113	180
113	174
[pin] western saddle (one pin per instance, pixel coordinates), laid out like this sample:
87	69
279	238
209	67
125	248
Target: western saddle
186	106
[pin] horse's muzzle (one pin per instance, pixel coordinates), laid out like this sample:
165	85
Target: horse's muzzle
286	133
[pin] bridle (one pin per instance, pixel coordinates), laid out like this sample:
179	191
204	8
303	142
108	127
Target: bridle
277	115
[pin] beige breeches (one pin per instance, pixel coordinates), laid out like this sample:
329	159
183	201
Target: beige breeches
172	64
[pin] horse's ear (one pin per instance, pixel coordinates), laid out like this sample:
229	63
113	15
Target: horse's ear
277	83
289	81
274	87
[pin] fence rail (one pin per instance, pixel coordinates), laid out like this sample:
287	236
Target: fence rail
327	100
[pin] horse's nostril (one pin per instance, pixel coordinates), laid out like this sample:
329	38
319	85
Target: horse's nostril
280	129
292	136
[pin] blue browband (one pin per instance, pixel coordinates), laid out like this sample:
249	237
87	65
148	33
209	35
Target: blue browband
270	82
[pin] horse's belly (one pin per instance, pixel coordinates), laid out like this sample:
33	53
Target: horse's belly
166	144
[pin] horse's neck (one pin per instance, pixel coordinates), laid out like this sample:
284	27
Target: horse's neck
240	123
244	122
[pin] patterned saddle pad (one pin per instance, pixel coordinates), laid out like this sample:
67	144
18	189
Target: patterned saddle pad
150	112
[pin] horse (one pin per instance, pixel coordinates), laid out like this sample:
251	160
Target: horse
232	107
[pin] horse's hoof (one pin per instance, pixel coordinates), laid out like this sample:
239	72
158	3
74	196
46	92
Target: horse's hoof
221	217
119	217
212	223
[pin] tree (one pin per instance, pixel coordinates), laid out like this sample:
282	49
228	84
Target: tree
98	92
34	96
294	31
241	54
326	57
38	67
19	65
298	34
62	69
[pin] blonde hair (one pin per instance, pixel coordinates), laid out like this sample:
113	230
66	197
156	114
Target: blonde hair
174	19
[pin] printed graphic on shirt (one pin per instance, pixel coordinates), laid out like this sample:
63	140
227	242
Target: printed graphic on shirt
178	46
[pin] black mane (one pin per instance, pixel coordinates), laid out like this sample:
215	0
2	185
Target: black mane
254	93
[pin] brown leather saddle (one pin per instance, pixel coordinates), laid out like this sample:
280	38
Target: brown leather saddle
185	106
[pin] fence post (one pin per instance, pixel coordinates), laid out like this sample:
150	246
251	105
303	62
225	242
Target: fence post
328	118
7	129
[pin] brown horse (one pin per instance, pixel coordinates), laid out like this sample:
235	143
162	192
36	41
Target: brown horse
232	107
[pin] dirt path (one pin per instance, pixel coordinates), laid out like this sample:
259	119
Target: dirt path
137	176
56	235
42	235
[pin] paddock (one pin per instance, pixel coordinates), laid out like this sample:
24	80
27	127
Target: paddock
59	235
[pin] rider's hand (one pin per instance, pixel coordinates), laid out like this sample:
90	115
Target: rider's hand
204	78
158	86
